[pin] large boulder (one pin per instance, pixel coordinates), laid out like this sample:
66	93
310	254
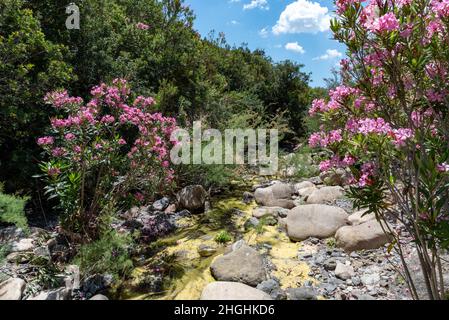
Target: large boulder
192	198
314	220
303	185
368	235
325	195
243	264
277	195
360	217
273	211
12	289
222	290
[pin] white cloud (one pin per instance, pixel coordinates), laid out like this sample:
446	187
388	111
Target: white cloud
264	32
295	47
303	16
330	54
234	22
261	4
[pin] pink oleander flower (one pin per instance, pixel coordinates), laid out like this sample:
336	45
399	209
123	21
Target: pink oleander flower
53	172
142	26
400	136
107	119
121	141
69	136
58	152
435	96
45	141
318	105
325	165
443	167
441	7
386	23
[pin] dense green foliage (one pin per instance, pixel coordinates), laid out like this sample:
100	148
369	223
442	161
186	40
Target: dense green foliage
192	78
30	65
12	210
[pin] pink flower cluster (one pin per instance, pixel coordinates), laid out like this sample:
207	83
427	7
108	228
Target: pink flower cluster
142	26
368	125
323	139
101	120
386	23
441	7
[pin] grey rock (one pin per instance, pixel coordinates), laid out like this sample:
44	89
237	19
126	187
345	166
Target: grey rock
26	244
12	289
274	211
241	265
224	290
161	204
99	297
343	271
368	235
206	250
303	293
192	198
268	285
58	294
316	220
325	195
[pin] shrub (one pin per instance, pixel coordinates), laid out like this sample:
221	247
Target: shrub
109	254
109	152
223	237
388	122
12	210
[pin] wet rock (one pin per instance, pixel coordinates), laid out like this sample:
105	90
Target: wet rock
58	294
12	289
192	198
161	204
241	265
222	290
26	244
368	235
325	195
274	211
319	221
343	271
303	293
99	297
205	250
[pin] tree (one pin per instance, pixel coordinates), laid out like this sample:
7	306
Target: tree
30	65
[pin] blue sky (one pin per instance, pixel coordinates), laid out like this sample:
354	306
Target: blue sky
286	29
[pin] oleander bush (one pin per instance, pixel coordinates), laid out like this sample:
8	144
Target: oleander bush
388	122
